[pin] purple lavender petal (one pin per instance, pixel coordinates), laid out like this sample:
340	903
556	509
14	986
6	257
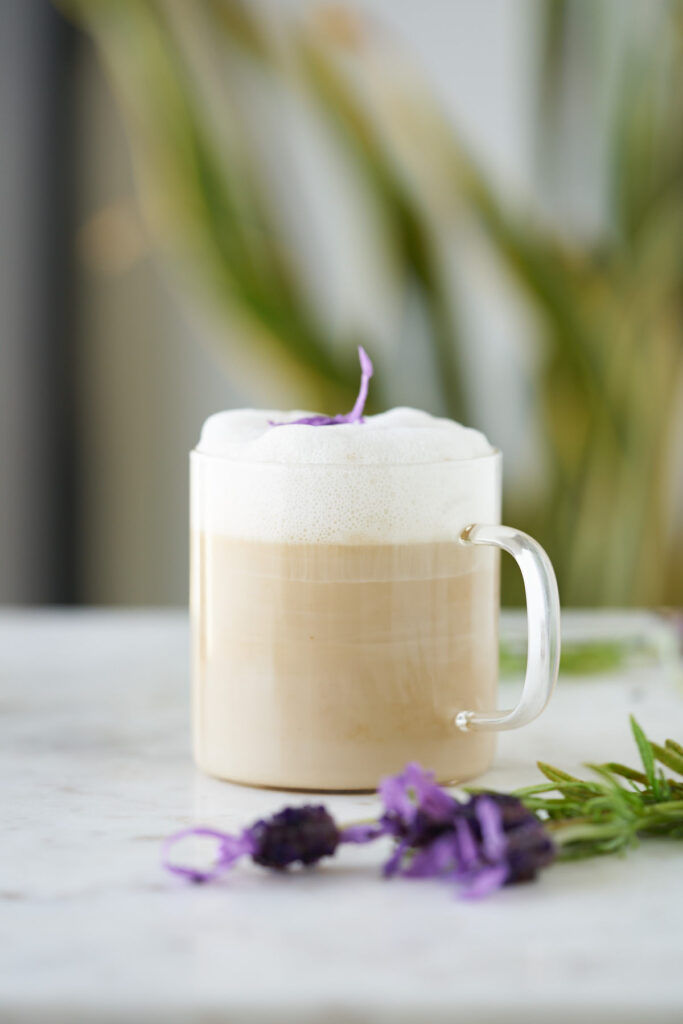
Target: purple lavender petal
395	792
356	414
436	803
467	847
393	864
309	421
490	821
402	793
485	881
366	372
230	849
394	797
441	857
416	809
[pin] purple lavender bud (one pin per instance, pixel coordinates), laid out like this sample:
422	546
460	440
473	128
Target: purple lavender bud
490	841
529	847
516	838
295	834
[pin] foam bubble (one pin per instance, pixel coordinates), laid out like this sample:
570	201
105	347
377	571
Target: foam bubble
400	477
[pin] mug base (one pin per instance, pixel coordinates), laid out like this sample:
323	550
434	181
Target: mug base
450	779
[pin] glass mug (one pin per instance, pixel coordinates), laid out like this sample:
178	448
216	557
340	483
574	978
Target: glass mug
332	647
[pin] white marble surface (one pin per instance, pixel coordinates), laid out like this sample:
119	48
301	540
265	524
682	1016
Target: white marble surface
95	769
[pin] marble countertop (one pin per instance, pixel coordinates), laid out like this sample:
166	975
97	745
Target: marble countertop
95	770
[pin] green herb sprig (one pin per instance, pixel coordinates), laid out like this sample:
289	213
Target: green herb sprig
609	814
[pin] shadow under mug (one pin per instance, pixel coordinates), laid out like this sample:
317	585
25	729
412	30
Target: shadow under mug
345	620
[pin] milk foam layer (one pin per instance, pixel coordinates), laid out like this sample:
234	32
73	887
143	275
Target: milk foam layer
400	477
399	437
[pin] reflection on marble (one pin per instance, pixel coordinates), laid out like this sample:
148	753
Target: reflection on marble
95	769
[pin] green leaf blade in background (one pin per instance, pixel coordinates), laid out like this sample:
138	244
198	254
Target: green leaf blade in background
607	310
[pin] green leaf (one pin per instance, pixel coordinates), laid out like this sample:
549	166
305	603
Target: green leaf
541	787
626	772
668	807
646	754
613	785
556	774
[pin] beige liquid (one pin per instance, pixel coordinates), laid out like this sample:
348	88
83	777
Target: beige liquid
328	666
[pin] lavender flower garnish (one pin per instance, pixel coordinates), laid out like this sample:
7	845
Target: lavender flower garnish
356	414
489	841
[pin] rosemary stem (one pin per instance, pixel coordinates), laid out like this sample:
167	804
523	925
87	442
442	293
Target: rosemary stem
563	833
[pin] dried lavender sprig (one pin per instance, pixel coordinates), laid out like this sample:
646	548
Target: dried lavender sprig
486	842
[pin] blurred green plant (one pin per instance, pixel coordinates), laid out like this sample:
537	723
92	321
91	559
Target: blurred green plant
199	83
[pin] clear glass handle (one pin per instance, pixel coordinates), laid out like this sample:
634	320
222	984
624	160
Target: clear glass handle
543	618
